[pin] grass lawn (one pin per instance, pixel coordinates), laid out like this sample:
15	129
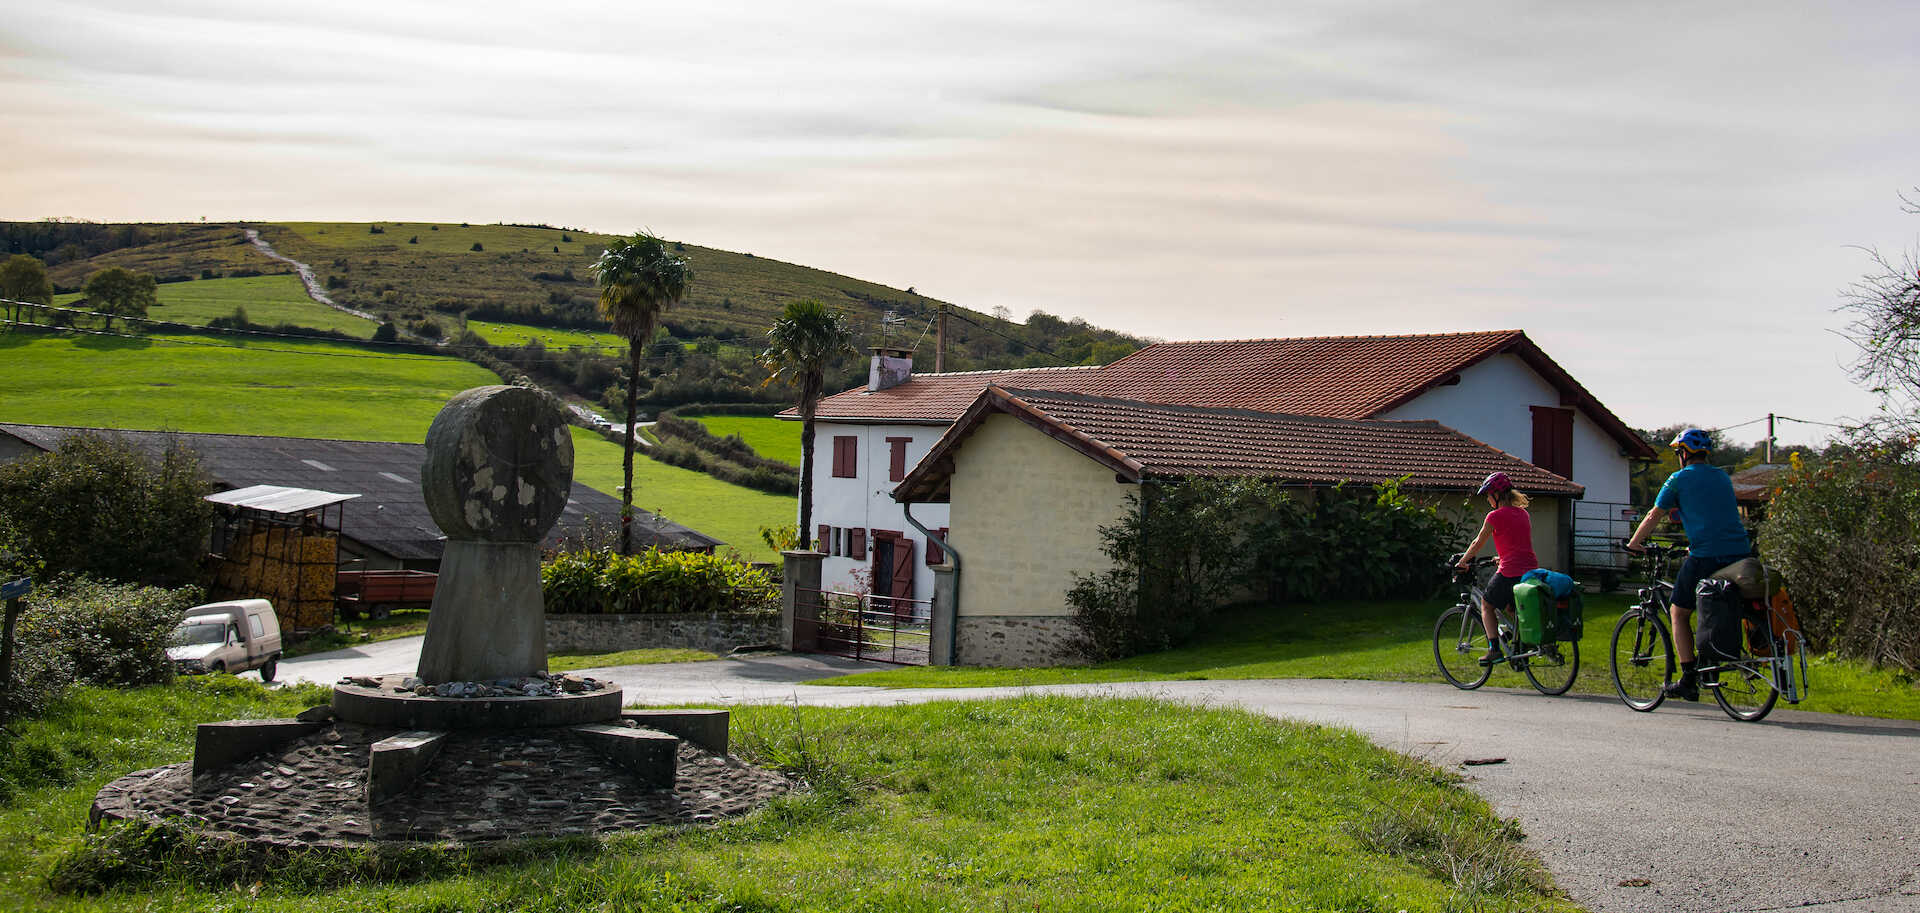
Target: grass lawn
1029	804
562	662
1387	641
723	511
773	438
364	630
275	387
269	300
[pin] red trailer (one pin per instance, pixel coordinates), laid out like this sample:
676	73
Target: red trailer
378	593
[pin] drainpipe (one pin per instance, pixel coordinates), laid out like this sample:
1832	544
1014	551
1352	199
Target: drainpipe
953	626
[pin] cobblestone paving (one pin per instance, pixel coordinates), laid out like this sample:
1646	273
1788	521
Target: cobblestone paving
482	786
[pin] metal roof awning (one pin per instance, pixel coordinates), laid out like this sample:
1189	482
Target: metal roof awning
278	499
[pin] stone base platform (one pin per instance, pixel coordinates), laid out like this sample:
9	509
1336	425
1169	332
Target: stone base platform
475	785
385	702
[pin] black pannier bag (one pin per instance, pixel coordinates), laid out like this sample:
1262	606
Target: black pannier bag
1721	609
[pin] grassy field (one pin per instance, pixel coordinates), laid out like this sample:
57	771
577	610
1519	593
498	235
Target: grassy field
195	383
727	512
1389	641
269	300
313	389
1032	804
773	438
513	334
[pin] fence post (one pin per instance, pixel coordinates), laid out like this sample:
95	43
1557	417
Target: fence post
941	646
799	599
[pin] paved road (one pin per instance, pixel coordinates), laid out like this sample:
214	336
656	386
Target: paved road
1802	810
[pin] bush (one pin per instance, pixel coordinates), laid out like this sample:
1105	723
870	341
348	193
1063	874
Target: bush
1374	543
476	245
100	507
93	633
1845	533
655	582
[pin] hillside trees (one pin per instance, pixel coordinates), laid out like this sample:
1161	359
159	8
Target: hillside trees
24	278
639	278
802	344
119	292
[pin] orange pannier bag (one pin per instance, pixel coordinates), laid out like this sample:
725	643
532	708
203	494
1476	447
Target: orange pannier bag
1768	622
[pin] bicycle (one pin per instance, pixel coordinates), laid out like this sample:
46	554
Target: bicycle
1460	639
1643	662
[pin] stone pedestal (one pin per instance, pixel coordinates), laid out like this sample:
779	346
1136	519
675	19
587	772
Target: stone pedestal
488	619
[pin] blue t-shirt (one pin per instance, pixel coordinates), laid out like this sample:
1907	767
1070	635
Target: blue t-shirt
1703	497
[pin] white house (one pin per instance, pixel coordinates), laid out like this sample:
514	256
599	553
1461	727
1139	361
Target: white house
1496	387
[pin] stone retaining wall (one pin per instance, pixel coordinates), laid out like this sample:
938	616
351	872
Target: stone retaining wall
714	632
1017	640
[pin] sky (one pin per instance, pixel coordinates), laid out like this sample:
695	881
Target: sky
1668	197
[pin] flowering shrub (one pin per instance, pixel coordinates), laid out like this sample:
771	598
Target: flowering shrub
655	582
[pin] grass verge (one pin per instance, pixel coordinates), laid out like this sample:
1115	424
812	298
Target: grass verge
562	662
1384	641
1028	804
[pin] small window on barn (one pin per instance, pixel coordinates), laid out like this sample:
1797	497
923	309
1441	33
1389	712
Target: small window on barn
857	543
846	456
897	458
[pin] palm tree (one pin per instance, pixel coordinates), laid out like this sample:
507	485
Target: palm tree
639	279
806	339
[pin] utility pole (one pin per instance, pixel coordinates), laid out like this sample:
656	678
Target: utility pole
940	339
1769	437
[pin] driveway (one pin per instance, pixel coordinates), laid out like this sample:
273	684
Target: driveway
1802	810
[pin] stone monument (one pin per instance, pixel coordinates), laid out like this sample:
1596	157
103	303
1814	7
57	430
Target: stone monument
498	471
481	743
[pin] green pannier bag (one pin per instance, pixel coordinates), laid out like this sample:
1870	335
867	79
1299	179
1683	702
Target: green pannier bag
1533	603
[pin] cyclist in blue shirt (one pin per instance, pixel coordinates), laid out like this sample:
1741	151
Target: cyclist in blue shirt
1700	496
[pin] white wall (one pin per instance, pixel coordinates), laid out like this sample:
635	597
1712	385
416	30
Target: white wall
1491	404
866	502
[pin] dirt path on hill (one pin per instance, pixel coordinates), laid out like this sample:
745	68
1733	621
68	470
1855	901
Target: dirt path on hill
306	276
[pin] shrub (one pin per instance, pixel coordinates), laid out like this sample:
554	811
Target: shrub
655	582
93	633
414	240
386	332
1371	543
101	507
476	245
1845	533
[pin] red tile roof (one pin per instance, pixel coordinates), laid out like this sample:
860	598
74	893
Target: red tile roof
1139	439
1334	376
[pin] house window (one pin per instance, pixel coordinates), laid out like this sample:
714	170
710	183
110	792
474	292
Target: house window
857	543
846	456
897	458
1553	440
935	554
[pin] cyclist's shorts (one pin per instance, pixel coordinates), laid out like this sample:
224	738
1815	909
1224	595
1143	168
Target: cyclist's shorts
1500	591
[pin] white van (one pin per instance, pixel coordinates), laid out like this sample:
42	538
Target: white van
228	637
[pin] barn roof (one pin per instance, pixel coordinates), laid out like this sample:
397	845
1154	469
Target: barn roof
390	515
1138	440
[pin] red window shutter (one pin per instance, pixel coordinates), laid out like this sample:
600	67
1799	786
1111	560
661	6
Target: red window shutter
824	541
902	568
846	456
897	458
935	554
857	543
1553	440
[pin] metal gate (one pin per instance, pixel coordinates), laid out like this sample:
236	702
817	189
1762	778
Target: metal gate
888	629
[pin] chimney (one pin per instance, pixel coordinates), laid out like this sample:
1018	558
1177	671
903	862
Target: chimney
891	367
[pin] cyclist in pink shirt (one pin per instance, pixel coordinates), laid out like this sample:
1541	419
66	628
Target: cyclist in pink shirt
1511	530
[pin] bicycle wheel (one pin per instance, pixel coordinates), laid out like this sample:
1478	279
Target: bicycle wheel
1458	643
1642	659
1553	671
1745	689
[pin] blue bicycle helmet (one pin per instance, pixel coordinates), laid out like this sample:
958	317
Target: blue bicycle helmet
1496	483
1691	441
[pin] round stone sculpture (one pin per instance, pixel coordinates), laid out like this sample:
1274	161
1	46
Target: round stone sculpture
499	466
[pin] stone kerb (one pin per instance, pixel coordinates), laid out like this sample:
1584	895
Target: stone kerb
713	632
